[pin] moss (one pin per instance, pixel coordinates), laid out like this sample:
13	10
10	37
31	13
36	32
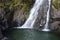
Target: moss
56	4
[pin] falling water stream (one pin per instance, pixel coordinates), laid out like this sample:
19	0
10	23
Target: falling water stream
47	19
33	15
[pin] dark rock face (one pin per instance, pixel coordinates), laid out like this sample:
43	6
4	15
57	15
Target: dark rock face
55	24
3	23
55	19
1	34
55	12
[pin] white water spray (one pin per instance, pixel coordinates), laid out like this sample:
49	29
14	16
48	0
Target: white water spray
33	15
47	19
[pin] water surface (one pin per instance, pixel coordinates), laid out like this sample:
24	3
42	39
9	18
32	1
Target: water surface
25	34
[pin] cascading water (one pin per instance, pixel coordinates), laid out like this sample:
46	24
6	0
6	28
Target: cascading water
33	15
47	19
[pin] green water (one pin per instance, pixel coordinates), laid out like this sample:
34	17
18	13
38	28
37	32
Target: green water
24	34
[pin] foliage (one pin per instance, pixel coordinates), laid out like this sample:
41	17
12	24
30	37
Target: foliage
22	5
56	4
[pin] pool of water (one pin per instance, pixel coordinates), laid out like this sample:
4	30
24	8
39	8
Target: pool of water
26	34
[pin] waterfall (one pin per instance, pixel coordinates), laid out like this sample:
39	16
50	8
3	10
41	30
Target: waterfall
47	19
33	15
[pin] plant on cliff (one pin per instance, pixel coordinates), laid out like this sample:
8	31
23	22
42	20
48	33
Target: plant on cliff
14	4
56	4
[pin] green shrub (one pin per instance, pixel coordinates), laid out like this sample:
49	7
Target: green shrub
56	4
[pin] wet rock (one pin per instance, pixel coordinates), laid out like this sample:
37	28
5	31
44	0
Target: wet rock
1	35
55	26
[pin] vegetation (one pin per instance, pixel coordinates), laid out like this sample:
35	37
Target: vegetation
14	3
56	4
